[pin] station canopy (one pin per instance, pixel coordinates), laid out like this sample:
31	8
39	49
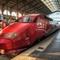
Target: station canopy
53	5
30	6
24	6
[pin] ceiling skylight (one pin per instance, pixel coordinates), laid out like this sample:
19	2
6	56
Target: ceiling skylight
53	5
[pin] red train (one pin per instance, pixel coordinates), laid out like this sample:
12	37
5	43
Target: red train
20	35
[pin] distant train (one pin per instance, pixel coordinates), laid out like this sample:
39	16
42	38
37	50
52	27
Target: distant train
20	35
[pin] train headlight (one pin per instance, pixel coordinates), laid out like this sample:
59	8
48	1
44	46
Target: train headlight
2	51
10	35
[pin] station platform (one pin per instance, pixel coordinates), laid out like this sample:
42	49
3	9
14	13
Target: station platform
48	49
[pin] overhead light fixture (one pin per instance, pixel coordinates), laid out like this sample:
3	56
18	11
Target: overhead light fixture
6	12
14	14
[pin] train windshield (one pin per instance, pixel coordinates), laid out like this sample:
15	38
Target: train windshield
26	19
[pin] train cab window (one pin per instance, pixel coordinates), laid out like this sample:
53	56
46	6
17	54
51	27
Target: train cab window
26	19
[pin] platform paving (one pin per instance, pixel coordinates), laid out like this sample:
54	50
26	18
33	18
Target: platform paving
52	52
